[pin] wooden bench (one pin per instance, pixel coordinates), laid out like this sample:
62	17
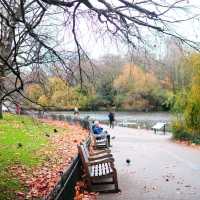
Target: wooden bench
99	141
88	144
100	174
159	126
98	154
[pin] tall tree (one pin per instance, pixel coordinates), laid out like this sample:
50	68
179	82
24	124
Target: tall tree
29	28
7	37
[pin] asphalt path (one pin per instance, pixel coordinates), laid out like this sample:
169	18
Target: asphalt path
159	168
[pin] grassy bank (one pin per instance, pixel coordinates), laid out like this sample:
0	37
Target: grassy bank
32	153
20	139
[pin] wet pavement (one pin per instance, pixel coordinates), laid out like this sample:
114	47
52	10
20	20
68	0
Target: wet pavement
159	169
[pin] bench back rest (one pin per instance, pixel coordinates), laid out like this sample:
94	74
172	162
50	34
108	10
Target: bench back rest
82	153
90	128
85	148
83	156
91	135
88	141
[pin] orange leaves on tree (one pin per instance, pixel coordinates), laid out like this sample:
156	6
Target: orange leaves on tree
133	78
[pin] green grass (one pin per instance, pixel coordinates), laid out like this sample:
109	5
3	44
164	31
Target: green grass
20	139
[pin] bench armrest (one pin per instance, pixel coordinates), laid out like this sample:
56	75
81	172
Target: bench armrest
108	151
100	156
100	161
101	135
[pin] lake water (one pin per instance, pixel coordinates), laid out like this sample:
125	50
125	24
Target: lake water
120	116
132	119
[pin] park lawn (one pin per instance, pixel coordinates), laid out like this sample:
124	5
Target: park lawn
21	137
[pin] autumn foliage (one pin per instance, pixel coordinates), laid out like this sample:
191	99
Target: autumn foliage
187	102
138	87
81	192
55	93
40	180
130	88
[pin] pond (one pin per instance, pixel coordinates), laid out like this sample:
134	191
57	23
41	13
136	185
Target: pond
130	119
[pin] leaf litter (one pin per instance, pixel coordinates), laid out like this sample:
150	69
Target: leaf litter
59	154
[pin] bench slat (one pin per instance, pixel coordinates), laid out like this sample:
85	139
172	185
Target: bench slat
103	169
100	170
110	168
96	170
92	171
107	170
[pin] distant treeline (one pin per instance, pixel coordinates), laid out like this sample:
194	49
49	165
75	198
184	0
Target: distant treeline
132	88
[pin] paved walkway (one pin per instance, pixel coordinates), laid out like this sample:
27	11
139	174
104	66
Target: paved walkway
159	168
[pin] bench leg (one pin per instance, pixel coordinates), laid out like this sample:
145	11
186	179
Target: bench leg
89	184
108	140
115	181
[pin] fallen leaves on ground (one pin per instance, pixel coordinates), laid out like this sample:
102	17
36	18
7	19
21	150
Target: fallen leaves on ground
59	154
81	192
188	143
150	188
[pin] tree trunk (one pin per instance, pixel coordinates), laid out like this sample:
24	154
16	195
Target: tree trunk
6	40
1	94
2	73
1	79
1	112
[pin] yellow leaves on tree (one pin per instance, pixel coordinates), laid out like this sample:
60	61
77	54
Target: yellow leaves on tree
189	68
135	83
56	84
192	110
133	78
166	83
34	91
56	93
62	95
43	100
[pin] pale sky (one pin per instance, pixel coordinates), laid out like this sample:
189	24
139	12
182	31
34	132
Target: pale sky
98	45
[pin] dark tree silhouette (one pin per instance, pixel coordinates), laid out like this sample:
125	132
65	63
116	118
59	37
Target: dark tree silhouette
26	28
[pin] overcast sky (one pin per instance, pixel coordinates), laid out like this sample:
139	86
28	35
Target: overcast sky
97	45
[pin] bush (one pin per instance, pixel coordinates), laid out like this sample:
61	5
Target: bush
187	105
180	132
192	112
196	140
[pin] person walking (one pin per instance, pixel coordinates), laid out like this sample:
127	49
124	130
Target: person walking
18	109
76	112
111	117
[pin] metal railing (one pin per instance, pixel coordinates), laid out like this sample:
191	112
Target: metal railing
65	188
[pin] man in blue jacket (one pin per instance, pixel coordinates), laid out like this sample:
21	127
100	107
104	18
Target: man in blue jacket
98	131
96	128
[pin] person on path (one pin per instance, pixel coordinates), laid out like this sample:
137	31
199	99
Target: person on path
76	112
18	109
111	117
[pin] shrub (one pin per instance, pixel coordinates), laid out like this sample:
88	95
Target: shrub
196	140
192	111
179	131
